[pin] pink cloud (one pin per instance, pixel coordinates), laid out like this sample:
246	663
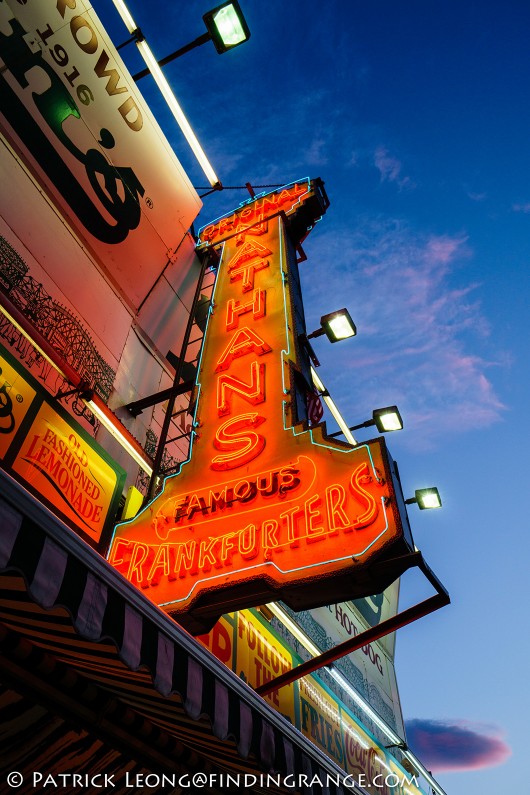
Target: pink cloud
447	747
390	168
423	340
443	248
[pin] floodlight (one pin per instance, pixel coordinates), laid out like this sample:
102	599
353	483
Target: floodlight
227	26
387	419
426	498
336	326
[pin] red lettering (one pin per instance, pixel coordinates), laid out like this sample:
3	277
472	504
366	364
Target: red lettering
234	309
238	442
243	342
253	393
362	476
249	251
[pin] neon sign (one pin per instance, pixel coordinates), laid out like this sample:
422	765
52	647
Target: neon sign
265	506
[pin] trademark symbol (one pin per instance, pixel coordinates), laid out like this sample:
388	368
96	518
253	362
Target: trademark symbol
149	203
20	399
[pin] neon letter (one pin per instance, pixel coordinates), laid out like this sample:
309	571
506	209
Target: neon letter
249	251
269	529
234	309
239	444
244	341
312	515
246	273
248	547
254	392
359	476
335	499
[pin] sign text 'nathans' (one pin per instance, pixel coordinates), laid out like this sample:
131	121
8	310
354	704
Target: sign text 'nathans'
265	506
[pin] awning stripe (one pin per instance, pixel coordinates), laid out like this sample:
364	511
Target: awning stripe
10	521
132	638
193	702
164	665
89	618
308	772
267	746
288	754
222	705
245	729
49	574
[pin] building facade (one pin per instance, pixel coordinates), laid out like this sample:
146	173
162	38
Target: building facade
106	297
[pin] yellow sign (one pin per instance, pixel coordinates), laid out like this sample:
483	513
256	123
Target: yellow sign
320	719
403	784
221	640
57	461
45	447
262	657
16	396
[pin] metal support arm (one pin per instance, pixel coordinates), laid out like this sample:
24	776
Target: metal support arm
441	599
138	406
163	61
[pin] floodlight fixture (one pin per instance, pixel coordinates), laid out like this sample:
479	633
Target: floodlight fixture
227	26
336	326
385	420
426	498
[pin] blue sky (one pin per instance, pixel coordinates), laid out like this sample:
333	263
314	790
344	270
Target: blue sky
417	117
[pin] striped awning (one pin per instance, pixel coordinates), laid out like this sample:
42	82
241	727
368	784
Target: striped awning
91	670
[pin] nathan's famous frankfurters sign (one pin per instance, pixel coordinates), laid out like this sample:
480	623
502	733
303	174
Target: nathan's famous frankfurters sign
266	506
49	451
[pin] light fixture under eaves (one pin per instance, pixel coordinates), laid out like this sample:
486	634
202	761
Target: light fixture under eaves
397	741
111	423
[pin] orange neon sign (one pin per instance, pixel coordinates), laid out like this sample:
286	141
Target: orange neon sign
265	505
